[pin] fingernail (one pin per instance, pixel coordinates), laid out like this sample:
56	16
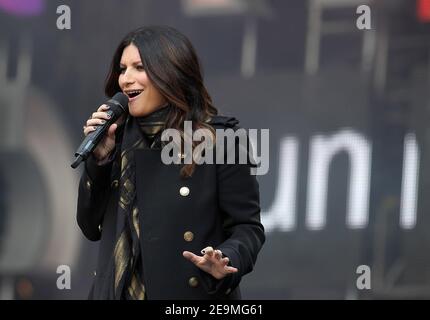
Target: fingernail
203	251
109	116
103	121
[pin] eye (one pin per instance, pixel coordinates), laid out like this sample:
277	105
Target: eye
121	70
140	67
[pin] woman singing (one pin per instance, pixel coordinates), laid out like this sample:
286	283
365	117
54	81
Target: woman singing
178	231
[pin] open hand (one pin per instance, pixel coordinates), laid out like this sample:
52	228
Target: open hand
211	262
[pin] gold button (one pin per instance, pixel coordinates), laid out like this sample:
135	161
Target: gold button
188	236
184	191
88	184
114	184
193	282
228	291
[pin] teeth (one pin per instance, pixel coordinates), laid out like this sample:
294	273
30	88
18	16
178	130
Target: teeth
134	93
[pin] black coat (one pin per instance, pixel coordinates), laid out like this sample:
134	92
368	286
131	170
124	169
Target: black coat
221	210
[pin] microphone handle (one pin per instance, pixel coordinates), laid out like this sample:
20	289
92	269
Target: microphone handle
92	139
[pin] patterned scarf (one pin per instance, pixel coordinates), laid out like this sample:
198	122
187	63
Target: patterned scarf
139	133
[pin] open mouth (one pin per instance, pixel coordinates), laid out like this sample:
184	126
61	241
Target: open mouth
133	93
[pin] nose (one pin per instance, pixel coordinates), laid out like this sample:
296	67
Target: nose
126	78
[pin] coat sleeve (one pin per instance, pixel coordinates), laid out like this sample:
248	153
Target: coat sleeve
239	202
93	197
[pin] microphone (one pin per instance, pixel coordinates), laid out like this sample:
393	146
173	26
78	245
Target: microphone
118	106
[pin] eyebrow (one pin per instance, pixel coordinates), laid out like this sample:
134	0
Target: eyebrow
133	64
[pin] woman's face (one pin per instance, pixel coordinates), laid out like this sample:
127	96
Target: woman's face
144	98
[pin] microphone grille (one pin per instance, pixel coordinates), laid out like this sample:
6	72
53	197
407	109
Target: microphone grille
121	99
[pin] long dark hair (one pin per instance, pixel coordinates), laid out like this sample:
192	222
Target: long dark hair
171	63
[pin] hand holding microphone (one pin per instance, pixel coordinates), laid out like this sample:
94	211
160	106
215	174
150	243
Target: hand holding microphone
100	129
107	143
